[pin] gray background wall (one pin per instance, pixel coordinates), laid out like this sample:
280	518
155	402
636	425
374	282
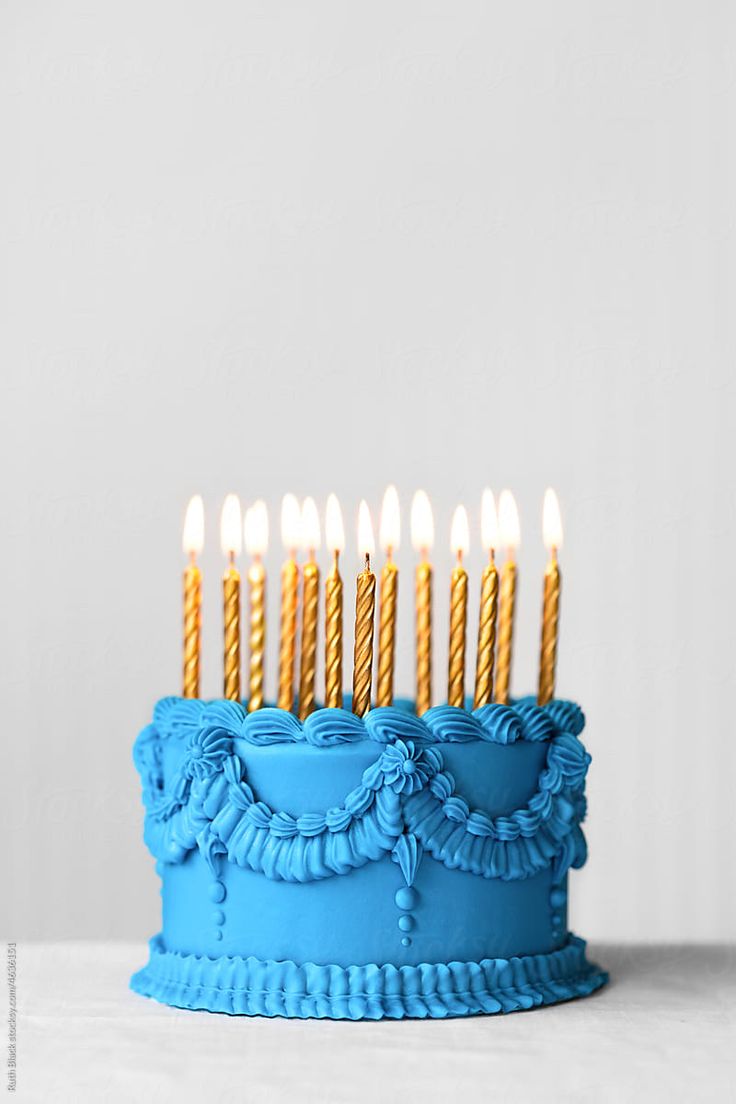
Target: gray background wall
266	247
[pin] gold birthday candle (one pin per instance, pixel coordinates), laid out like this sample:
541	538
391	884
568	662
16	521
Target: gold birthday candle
488	604
508	518
552	530
422	537
365	602
192	542
459	541
290	536
389	538
335	540
256	543
310	608
231	537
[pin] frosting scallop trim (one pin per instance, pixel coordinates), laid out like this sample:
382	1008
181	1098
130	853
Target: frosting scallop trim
209	804
251	987
499	724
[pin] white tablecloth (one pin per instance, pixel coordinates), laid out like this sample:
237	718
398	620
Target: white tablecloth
664	1029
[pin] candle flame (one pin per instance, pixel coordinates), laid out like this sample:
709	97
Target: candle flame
460	532
256	529
366	543
422	523
390	530
291	523
488	521
310	526
334	528
551	522
231	527
508	521
193	536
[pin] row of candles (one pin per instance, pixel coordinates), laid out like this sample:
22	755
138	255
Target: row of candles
300	530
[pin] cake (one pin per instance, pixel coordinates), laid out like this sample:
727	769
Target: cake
354	867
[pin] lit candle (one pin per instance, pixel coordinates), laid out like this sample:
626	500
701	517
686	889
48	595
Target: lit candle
488	603
192	541
365	602
552	531
422	537
256	543
389	538
459	542
290	535
335	540
508	520
310	608
231	537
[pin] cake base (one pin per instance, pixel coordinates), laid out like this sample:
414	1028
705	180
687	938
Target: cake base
250	987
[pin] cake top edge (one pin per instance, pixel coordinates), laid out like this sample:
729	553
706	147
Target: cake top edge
523	720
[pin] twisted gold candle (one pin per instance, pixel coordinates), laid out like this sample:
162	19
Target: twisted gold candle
257	590
192	542
488	604
486	634
550	622
422	536
310	609
335	538
387	633
389	538
192	629
552	528
458	611
508	519
333	637
231	536
290	535
231	603
287	646
505	632
365	603
424	636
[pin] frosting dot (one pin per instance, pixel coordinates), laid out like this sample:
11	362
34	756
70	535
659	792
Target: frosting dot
406	898
406	941
218	917
217	892
217	934
409	766
557	898
406	923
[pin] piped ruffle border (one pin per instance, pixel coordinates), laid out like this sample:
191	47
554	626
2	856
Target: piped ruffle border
250	987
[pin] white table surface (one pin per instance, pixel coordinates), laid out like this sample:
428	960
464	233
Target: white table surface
664	1029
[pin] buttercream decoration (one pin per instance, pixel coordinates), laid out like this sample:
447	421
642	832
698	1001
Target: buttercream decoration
408	854
406	922
211	850
206	752
248	986
406	898
405	768
270	726
405	790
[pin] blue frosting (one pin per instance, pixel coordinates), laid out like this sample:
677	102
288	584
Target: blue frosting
249	815
249	986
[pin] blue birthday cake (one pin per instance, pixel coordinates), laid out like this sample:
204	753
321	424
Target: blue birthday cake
364	867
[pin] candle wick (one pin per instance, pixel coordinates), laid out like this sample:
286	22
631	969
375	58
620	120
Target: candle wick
231	557
192	557
367	561
553	554
460	557
491	556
